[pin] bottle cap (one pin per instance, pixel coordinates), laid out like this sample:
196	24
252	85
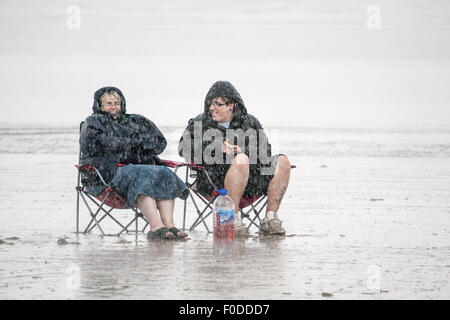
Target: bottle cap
223	192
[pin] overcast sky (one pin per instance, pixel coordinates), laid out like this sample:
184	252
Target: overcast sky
338	63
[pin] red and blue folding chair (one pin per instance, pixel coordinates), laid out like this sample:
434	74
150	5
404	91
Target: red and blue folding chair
101	207
250	208
97	206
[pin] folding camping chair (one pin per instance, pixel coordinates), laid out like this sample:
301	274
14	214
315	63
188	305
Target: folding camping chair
112	199
98	204
109	197
255	205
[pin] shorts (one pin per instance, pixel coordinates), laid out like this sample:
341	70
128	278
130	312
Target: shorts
258	181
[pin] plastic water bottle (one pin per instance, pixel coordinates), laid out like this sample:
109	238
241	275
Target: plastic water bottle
223	215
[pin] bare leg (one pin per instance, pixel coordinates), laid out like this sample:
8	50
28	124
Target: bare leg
148	208
236	179
165	208
278	184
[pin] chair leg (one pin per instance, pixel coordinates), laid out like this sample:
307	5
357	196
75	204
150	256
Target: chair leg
100	220
137	222
251	222
145	226
198	214
97	223
200	218
184	214
126	227
107	213
137	215
145	222
246	215
185	200
257	212
78	211
93	216
78	188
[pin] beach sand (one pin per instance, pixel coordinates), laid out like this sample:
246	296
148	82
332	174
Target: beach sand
366	214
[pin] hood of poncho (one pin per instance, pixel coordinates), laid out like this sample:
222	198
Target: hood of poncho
100	92
225	90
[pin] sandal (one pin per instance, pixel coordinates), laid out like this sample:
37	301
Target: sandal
159	234
176	232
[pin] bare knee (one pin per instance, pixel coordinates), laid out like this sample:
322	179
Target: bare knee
283	165
141	198
238	171
242	160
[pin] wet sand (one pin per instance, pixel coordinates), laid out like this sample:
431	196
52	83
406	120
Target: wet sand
367	214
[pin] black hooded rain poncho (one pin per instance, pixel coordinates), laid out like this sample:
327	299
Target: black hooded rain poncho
130	139
258	182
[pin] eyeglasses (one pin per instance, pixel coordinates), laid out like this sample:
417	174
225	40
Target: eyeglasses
217	104
110	104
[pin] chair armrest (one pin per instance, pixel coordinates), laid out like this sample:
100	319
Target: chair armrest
88	169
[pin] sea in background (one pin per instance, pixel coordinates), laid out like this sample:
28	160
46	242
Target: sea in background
366	214
295	63
355	92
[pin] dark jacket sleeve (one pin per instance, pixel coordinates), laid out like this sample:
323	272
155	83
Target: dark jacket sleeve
95	140
152	139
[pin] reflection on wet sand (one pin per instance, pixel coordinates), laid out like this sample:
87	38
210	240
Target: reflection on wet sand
340	243
177	270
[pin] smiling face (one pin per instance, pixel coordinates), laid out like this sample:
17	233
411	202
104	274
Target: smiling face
110	102
221	110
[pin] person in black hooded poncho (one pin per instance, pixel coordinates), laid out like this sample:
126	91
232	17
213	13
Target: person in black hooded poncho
110	137
232	146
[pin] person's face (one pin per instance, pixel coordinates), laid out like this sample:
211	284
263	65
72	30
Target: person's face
221	110
111	105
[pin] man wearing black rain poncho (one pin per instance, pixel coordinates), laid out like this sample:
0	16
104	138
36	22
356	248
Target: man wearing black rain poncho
124	148
233	147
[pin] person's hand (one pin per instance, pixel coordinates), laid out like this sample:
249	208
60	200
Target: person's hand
229	148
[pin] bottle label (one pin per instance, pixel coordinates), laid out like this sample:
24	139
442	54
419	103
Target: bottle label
226	216
224	227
